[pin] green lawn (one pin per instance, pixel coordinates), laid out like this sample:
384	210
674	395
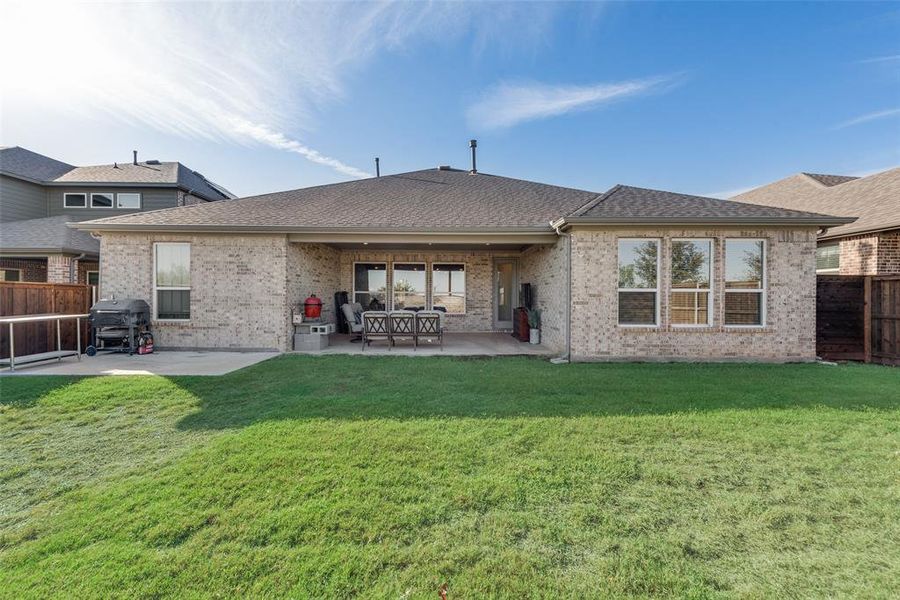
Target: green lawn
386	477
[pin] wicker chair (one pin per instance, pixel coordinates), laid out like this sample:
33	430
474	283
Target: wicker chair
429	326
403	326
375	327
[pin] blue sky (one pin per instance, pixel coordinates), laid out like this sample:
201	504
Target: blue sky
705	98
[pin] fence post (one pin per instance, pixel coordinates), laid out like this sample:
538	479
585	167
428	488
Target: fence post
867	318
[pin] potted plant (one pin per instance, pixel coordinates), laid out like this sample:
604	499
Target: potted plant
534	324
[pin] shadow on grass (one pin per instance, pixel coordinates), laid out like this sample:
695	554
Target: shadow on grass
359	388
25	391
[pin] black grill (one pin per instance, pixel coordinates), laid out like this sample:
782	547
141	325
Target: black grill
119	324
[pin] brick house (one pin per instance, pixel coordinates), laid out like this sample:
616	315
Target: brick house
39	195
627	274
868	246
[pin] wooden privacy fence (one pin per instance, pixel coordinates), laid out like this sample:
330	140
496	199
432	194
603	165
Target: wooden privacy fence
19	299
858	318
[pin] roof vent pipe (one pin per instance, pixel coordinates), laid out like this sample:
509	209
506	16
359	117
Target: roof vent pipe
377	167
135	156
473	144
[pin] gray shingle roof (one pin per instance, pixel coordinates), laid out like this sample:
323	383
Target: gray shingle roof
20	162
874	199
147	173
632	204
448	200
48	234
31	165
830	180
432	199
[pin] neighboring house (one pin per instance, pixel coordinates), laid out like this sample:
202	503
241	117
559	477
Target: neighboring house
868	246
39	195
628	274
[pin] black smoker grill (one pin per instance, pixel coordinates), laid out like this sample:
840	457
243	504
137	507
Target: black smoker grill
117	325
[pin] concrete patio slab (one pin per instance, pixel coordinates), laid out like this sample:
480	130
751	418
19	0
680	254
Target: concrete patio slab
159	363
455	344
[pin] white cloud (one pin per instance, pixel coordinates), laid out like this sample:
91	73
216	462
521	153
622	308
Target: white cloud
247	73
873	116
508	104
881	59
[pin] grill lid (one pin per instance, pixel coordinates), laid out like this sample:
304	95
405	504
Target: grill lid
122	305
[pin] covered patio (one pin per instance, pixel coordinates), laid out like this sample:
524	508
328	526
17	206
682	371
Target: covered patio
478	283
455	344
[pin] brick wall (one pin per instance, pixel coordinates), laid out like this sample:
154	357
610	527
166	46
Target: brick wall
789	333
58	266
312	269
871	254
859	255
84	267
545	268
889	252
33	269
238	287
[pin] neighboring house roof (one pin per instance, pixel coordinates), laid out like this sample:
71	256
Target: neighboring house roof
830	180
49	234
26	164
874	199
446	200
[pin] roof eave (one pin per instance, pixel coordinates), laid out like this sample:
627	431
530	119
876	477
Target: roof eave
112	227
22	177
41	252
832	235
800	221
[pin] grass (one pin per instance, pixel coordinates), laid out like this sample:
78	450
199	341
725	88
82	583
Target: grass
386	477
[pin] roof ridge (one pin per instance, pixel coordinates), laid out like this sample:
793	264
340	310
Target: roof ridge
595	201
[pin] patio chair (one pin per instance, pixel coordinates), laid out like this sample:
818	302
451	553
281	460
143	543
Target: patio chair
403	326
375	327
429	326
353	316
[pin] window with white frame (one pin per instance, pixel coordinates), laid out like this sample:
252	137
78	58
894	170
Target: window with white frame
448	287
172	280
408	286
638	282
690	297
93	277
370	285
10	274
128	200
745	282
101	200
828	258
72	200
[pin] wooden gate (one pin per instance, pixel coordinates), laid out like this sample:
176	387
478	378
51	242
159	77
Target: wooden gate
858	318
840	318
18	298
883	319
